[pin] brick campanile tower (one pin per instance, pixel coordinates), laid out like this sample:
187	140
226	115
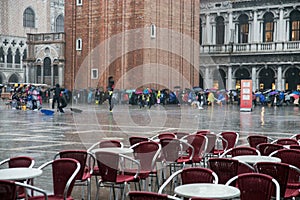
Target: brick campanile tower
139	43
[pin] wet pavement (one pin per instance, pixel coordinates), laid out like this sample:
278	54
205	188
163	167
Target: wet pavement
40	136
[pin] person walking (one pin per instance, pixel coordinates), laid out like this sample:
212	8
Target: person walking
57	97
211	99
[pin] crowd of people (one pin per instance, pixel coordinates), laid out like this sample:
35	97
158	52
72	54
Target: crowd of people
32	96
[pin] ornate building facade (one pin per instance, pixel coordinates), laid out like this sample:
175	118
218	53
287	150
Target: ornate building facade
250	39
137	42
21	62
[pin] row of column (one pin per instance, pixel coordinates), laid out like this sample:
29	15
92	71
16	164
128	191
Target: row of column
281	29
230	81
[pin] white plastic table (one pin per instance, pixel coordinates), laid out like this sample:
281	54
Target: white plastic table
252	159
207	190
19	173
114	150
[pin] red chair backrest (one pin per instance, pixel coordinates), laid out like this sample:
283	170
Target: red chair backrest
62	170
108	164
231	138
137	139
80	156
145	152
199	143
20	161
110	143
171	149
255	140
225	168
266	149
8	190
197	175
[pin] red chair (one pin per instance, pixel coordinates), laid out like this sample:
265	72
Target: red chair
199	143
203	132
286	141
266	149
255	140
136	139
87	163
291	157
211	143
240	150
64	171
19	161
103	144
144	195
191	175
8	189
147	153
111	170
226	168
295	136
279	171
255	186
180	135
228	140
172	150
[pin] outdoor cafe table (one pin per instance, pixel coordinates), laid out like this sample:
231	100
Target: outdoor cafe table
19	173
207	190
114	150
252	159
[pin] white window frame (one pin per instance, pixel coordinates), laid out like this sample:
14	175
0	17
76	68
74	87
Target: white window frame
153	31
93	72
78	44
79	2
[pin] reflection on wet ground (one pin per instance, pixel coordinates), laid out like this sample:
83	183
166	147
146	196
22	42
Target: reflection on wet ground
41	136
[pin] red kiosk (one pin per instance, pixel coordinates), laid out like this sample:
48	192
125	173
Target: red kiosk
246	95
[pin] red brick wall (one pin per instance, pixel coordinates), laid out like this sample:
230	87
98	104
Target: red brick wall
98	20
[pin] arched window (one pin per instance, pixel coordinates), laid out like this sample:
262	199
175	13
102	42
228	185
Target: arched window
18	57
47	66
295	26
220	30
13	79
200	32
243	29
1	55
268	27
29	18
59	24
79	44
9	56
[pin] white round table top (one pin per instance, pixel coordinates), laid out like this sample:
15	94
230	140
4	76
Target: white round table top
19	173
207	190
114	150
252	159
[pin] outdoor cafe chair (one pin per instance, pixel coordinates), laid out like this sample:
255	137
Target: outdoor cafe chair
103	144
9	190
111	170
225	140
64	171
226	168
279	171
173	154
87	163
255	186
190	175
286	141
180	135
145	195
19	161
239	151
199	143
254	140
147	154
291	157
136	139
266	149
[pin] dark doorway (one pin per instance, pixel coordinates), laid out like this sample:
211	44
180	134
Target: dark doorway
292	77
266	79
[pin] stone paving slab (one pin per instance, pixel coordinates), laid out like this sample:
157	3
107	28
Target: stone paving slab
40	136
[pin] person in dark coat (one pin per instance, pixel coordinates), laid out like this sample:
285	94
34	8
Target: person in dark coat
57	97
